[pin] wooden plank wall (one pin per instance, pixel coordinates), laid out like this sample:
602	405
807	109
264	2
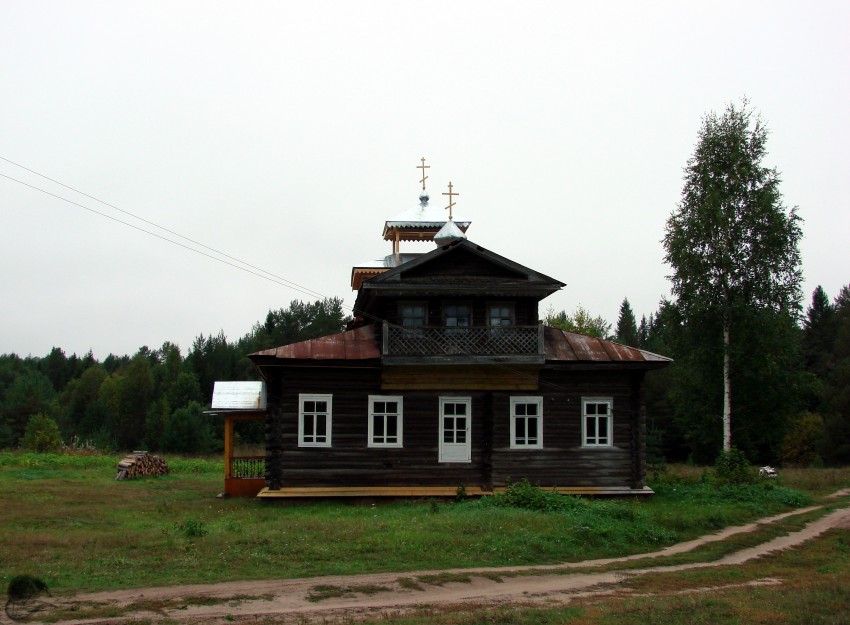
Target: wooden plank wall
526	309
563	461
350	462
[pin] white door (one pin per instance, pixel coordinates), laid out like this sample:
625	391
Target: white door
455	430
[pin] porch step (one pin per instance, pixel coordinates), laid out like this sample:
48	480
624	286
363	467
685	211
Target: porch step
435	491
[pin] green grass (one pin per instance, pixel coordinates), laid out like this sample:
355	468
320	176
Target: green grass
67	521
807	584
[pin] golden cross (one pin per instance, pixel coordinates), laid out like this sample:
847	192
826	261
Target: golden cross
451	203
423	167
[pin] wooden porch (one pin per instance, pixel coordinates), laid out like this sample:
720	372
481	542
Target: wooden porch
244	476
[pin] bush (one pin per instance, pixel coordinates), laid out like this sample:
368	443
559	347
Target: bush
192	528
188	431
732	467
23	587
525	496
42	435
799	447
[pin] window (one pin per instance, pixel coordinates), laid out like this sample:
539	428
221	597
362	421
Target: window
314	420
597	421
457	316
412	315
385	421
500	315
526	423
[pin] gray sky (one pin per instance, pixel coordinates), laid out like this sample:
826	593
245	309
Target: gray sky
285	133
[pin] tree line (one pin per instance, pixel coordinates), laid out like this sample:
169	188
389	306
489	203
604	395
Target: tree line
154	399
791	380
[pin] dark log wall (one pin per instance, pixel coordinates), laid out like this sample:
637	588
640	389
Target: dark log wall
350	462
462	265
525	309
563	461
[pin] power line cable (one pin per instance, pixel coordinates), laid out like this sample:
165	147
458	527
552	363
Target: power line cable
248	267
271	277
300	288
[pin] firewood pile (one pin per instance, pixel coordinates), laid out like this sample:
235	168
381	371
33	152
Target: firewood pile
141	464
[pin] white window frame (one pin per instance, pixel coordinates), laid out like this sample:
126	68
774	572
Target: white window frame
538	401
305	397
609	418
399	420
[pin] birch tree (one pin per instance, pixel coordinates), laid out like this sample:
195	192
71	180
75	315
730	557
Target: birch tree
731	242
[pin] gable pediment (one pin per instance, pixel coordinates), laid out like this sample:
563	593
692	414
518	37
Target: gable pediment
466	260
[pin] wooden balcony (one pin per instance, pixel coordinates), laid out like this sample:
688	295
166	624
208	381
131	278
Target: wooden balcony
460	345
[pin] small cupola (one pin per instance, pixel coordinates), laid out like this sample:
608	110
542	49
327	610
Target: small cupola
449	232
422	222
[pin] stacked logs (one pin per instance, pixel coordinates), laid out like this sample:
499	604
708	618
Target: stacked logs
141	464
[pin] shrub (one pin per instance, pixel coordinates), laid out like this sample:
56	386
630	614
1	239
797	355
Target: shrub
79	447
23	587
187	431
42	435
799	447
732	467
524	495
192	528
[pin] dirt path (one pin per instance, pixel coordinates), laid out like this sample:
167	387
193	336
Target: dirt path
324	598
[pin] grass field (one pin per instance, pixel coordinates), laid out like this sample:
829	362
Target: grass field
804	586
66	520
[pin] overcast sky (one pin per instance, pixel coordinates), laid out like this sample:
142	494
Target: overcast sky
285	134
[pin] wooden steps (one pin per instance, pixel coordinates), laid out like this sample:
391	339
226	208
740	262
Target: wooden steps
436	491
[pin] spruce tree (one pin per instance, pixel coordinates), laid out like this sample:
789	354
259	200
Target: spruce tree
627	331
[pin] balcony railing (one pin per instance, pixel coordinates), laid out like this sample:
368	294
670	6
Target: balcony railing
502	341
247	467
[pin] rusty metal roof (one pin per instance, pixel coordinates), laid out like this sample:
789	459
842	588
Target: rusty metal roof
560	346
564	346
358	344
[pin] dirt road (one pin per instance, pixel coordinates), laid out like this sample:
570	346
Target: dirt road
325	598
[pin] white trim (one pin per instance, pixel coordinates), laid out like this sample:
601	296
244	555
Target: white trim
305	397
538	401
609	401
455	452
399	420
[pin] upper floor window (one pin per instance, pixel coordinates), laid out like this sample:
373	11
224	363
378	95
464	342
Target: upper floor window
412	315
500	315
457	315
385	421
314	420
597	421
526	422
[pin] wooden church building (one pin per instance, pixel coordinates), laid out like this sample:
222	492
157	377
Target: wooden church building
447	378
